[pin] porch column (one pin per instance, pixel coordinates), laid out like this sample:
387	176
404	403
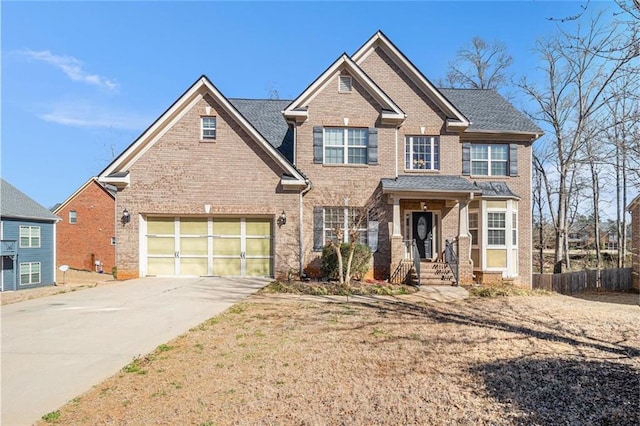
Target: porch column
396	217
465	264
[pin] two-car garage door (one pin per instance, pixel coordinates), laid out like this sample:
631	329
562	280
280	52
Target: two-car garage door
209	246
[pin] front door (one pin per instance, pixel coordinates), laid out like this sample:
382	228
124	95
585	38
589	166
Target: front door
423	233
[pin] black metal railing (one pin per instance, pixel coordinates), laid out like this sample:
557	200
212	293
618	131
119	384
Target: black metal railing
451	258
415	254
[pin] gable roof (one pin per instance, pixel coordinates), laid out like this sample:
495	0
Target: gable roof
93	180
489	112
16	204
297	110
455	118
116	172
266	116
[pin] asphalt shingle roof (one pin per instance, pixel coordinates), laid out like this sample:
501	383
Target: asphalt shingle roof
496	189
489	111
16	204
429	183
266	116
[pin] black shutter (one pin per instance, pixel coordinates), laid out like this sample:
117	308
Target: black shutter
466	159
372	149
318	228
513	159
317	144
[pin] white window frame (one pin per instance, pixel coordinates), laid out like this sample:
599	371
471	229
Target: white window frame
411	164
73	217
489	160
208	132
31	266
345	215
347	87
503	228
345	146
476	228
33	234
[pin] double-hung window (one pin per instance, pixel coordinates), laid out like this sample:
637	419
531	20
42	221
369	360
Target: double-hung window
73	216
29	273
490	159
345	145
208	127
344	220
29	237
496	228
473	227
422	153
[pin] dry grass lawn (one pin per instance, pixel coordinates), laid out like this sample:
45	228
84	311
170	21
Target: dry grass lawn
483	361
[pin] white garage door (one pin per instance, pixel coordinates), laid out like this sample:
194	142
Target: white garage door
209	246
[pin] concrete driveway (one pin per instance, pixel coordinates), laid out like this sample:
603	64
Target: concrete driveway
56	348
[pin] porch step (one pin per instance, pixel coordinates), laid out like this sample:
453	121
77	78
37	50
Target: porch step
434	273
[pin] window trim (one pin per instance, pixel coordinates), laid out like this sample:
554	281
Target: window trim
434	144
489	160
203	128
73	217
476	228
495	228
345	146
31	265
31	237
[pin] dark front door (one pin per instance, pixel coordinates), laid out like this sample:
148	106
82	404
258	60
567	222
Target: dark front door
423	233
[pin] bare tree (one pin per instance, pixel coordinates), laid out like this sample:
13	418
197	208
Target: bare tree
480	65
578	70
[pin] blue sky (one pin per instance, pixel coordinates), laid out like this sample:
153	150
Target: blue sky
81	80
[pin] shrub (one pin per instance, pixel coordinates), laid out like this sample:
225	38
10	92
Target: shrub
359	264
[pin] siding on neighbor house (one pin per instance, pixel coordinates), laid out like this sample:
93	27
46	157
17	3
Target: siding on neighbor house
88	240
635	241
43	254
179	174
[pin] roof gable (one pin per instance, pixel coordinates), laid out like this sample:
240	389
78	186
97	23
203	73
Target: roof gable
91	181
390	111
16	204
117	172
455	118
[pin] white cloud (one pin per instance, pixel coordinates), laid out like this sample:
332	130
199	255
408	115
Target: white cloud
81	114
72	67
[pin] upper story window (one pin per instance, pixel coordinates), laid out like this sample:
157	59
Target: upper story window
208	127
29	236
490	160
422	153
345	146
344	84
73	216
487	159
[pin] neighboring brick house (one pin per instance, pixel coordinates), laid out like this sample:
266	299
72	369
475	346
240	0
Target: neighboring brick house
371	141
27	231
85	237
634	209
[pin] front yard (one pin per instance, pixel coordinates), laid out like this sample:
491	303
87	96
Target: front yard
499	361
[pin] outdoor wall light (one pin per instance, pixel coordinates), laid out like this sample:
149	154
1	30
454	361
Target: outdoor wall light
126	217
282	219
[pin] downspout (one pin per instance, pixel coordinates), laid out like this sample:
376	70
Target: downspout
396	153
301	228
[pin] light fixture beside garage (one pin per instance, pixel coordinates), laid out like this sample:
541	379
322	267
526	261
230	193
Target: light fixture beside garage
282	219
126	217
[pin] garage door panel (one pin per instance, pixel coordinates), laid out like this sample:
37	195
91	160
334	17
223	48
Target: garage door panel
161	266
193	246
193	226
226	227
193	266
227	246
258	267
161	225
258	227
226	266
258	246
161	245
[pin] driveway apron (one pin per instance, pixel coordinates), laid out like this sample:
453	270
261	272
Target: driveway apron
56	348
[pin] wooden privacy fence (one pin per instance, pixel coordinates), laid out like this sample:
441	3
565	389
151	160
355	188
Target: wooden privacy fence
579	281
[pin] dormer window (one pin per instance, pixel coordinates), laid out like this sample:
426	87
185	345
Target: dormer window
208	128
344	84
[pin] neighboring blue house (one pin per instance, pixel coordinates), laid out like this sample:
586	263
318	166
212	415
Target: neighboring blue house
27	231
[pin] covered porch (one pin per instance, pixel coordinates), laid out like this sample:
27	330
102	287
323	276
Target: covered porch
430	213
